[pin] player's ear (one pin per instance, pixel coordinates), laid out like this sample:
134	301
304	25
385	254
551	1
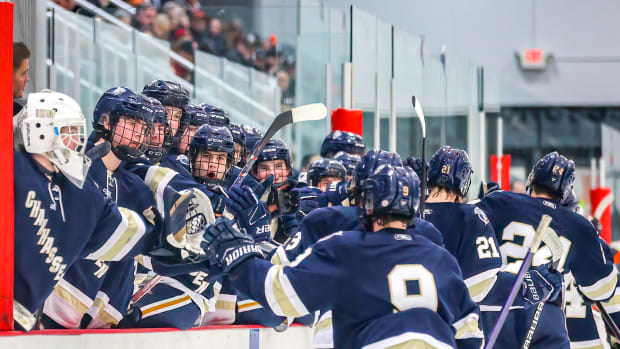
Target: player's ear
105	121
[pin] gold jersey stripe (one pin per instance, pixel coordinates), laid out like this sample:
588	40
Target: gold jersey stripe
127	235
603	290
68	297
225	305
164	305
280	295
247	305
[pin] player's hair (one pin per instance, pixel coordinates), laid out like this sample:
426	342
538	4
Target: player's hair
385	219
20	53
542	190
448	190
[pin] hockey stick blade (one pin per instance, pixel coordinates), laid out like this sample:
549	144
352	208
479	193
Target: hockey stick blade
545	220
418	110
554	244
308	112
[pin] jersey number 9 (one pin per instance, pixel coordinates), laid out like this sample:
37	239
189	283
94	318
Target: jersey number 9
405	295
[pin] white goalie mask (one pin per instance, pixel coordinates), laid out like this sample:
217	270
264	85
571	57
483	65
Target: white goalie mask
52	124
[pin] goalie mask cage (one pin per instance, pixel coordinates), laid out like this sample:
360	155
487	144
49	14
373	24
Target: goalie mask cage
6	166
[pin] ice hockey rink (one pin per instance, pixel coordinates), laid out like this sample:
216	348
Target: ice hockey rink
216	172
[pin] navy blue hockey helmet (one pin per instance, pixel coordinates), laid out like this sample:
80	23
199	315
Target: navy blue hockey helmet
170	94
194	116
161	135
450	169
322	168
392	192
216	115
348	142
252	137
349	161
124	118
553	172
372	160
275	149
167	92
206	166
238	135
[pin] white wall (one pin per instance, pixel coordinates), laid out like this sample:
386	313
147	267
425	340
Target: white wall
582	35
239	338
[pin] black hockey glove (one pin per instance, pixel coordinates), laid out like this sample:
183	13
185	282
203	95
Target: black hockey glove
250	212
542	285
229	246
289	224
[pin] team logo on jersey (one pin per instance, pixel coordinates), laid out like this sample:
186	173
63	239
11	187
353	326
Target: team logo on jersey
183	159
402	237
481	215
549	204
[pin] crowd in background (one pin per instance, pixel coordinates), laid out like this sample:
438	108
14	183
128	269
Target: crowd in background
188	28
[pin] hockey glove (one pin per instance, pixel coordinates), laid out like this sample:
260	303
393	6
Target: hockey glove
250	212
229	246
306	199
542	285
336	193
289	224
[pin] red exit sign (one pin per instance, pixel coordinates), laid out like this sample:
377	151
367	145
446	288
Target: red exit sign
533	59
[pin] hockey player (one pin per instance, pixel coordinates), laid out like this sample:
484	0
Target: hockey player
174	98
349	161
120	115
347	142
55	227
327	220
216	115
275	160
323	172
470	238
382	308
514	217
211	154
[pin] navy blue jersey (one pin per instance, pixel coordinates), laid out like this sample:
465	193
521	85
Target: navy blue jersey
177	162
81	287
328	220
384	307
515	218
57	224
470	238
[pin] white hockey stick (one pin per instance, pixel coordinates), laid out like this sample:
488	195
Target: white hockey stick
308	112
418	110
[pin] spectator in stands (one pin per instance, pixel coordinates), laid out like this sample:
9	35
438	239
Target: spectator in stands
241	54
161	27
145	18
517	186
198	25
185	50
216	44
123	16
69	5
21	65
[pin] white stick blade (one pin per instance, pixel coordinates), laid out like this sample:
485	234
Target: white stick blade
553	242
308	112
418	110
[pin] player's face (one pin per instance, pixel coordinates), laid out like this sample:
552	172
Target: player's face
174	118
210	165
130	132
72	137
189	133
326	181
159	133
238	150
277	168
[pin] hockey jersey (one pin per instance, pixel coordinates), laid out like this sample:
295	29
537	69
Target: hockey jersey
470	238
56	224
515	217
177	162
80	290
414	295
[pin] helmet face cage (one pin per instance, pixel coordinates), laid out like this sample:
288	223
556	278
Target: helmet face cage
323	168
160	140
211	154
130	136
273	160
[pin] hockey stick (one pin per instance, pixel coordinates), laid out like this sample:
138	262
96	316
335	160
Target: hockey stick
545	220
553	243
418	110
308	112
609	322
